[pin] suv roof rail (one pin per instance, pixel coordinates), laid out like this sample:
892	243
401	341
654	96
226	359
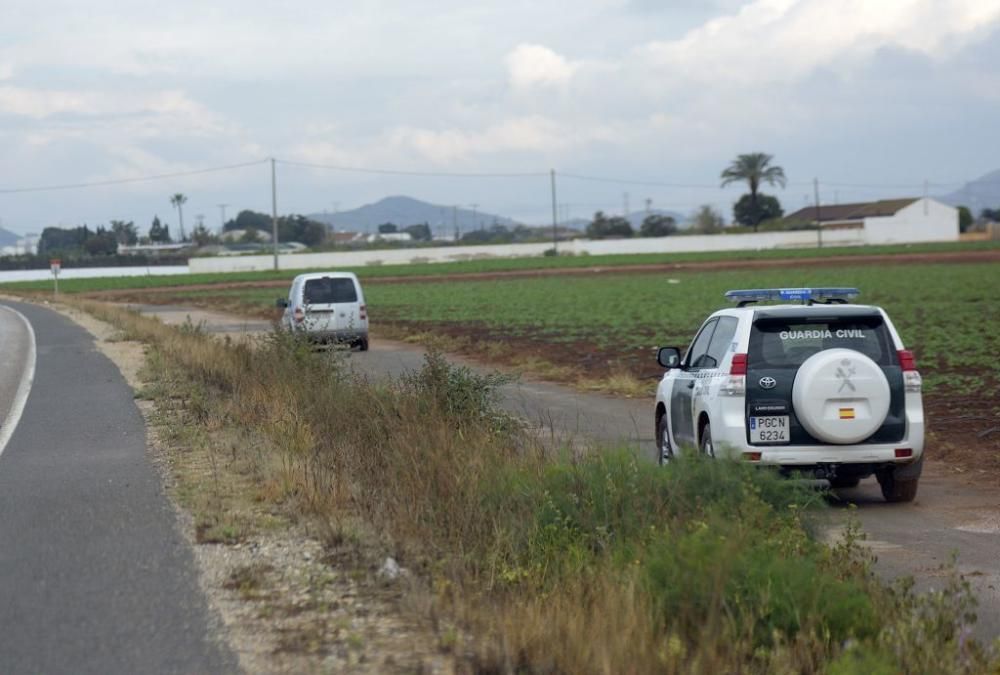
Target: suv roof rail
827	295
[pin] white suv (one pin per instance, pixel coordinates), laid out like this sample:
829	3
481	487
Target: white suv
824	387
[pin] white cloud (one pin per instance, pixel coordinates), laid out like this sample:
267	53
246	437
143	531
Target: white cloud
785	40
535	65
533	134
154	114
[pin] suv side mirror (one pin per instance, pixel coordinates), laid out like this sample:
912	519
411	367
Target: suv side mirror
668	357
281	303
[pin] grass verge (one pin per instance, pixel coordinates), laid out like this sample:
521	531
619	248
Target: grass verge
545	562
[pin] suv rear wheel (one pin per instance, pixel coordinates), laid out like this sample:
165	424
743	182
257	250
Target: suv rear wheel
896	490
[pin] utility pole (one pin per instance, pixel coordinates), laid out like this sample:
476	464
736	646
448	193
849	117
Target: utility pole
274	212
454	220
925	196
649	207
475	222
222	217
555	216
819	222
625	204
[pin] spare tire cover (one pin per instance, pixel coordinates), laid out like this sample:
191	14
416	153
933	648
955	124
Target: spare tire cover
840	396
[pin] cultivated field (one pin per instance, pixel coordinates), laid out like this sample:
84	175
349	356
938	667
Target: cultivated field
508	265
948	314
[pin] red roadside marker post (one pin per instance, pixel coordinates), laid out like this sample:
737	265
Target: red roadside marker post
55	264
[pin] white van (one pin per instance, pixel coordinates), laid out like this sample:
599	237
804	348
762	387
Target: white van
328	307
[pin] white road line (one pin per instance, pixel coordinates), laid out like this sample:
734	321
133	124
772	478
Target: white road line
23	389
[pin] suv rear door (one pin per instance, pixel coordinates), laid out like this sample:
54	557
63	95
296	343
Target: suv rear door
780	341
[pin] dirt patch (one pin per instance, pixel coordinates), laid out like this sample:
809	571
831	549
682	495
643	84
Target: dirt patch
964	432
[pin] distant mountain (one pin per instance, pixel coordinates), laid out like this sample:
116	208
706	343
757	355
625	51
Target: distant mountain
8	238
405	211
981	193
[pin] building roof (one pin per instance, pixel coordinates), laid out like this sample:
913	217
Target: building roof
858	211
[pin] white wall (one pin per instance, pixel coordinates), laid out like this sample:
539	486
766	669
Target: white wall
923	220
674	244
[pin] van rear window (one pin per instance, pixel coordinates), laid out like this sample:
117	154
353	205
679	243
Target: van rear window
329	291
784	343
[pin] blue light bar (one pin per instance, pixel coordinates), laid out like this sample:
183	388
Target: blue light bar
792	294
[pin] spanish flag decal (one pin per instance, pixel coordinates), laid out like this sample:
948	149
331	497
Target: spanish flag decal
847	413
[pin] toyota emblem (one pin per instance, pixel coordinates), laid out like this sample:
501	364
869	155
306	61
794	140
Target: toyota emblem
767	382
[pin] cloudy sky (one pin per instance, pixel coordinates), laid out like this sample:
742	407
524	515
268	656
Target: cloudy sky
872	97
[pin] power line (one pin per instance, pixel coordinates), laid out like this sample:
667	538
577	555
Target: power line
455	174
627	181
123	181
404	172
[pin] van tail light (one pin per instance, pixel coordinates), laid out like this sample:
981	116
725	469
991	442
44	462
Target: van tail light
299	315
363	312
912	381
736	383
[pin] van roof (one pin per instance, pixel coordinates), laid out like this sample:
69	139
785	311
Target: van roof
320	275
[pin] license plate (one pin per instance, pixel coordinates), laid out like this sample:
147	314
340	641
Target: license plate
769	429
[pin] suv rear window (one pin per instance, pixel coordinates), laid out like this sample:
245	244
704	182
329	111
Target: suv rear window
329	291
786	343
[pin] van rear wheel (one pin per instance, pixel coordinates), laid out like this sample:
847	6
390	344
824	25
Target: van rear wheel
363	345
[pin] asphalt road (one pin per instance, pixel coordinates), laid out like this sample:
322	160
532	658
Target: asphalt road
94	575
951	516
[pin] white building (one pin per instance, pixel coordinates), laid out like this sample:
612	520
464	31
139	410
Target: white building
887	221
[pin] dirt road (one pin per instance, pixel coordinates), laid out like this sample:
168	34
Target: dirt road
952	515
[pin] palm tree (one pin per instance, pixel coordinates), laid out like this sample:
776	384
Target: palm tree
178	201
754	169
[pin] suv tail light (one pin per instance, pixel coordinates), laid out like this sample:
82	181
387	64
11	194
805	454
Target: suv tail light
736	383
912	381
739	365
363	312
299	315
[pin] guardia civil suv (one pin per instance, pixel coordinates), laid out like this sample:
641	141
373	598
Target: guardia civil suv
812	384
